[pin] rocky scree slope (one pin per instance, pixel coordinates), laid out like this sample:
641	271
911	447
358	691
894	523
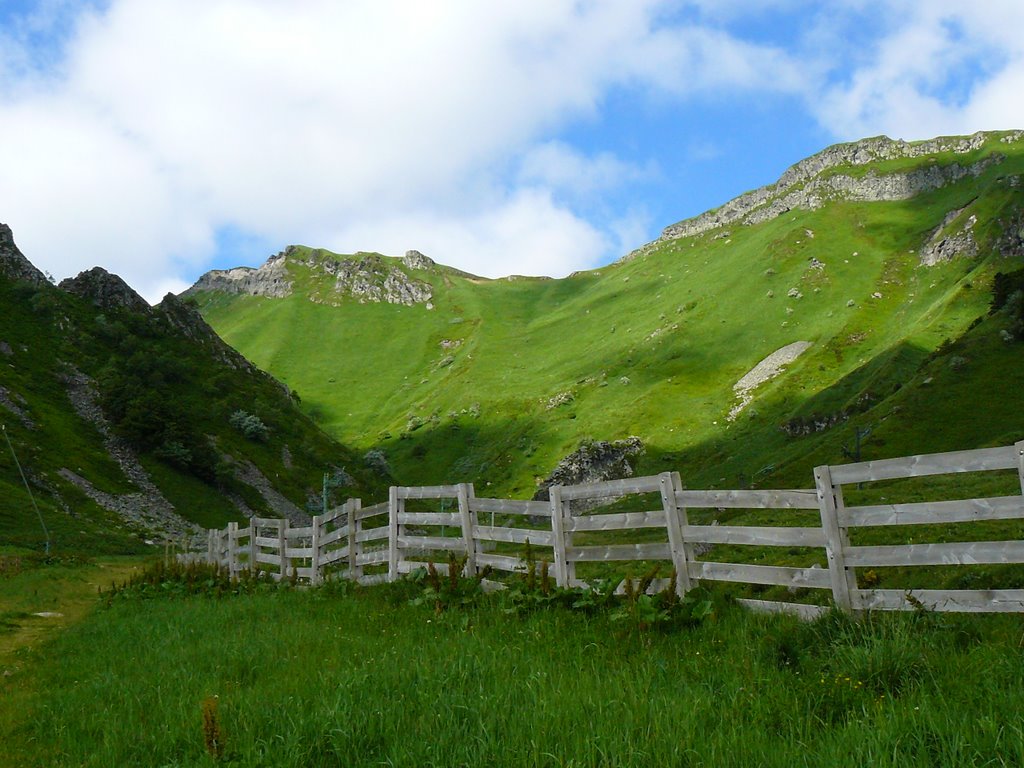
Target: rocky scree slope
124	418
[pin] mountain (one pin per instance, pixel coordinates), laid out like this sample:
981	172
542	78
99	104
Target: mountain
134	423
853	306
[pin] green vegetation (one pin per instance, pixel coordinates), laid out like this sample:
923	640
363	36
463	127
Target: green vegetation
170	391
335	676
502	378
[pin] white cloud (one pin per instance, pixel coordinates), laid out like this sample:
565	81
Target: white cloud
528	231
937	68
556	165
167	120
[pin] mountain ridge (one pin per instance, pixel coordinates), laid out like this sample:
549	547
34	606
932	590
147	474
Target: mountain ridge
501	380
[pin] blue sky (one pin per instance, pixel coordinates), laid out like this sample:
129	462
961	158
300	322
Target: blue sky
162	138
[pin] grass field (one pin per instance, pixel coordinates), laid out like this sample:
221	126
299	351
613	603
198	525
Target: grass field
334	678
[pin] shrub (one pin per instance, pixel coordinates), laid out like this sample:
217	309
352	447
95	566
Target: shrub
250	425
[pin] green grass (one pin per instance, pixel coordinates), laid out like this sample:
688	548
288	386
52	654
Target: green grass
320	679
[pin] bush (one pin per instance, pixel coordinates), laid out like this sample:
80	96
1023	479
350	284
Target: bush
250	425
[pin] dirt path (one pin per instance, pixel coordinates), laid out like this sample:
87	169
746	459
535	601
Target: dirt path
37	603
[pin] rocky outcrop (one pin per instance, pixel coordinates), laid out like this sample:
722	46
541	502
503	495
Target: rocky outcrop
271	279
106	291
369	277
945	245
812	182
13	264
592	462
366	277
416	260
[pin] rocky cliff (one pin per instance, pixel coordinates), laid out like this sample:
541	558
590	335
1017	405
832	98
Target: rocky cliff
365	277
13	263
833	175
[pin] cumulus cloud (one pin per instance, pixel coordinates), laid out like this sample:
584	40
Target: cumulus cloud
163	122
934	68
134	133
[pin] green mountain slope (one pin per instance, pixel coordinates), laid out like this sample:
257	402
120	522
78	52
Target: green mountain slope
129	422
878	254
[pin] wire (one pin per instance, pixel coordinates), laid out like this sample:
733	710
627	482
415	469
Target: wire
25	481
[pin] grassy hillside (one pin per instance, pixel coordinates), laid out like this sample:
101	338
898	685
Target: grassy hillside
501	378
168	389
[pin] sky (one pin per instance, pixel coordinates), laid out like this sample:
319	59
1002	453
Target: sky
163	138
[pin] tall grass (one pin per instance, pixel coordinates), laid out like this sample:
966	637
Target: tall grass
331	678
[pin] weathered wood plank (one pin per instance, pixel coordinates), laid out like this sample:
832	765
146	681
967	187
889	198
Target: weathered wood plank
267	522
446	543
767	536
617	522
297	552
785	576
511	507
767	499
928	464
605	488
502	562
929	512
333	556
467	520
270	558
354	547
430	518
513	535
372	579
266	541
232	557
958	553
558	539
1019	450
373	557
675	520
396	506
830	499
368	512
326	539
958	600
802	610
299	533
650	551
372	534
428	492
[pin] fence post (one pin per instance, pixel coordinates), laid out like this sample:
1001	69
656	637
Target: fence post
464	494
211	552
252	545
558	536
232	542
393	505
1020	463
355	548
282	542
314	576
675	519
830	501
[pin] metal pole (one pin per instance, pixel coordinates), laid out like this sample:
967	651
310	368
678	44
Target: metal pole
25	481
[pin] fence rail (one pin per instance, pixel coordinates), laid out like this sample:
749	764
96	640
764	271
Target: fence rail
348	540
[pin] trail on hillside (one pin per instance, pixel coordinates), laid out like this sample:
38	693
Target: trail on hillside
38	603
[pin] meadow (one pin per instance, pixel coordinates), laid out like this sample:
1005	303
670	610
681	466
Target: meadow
390	675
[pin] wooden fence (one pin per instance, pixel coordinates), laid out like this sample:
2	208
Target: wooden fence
385	541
